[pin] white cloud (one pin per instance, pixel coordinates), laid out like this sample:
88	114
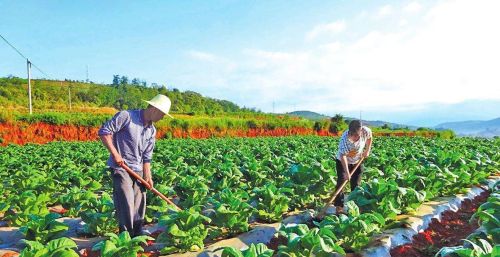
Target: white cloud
329	28
412	7
451	56
384	11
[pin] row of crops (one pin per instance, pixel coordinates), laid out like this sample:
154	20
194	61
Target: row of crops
224	185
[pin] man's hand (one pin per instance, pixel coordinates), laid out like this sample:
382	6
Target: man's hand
366	154
150	182
146	168
118	159
347	175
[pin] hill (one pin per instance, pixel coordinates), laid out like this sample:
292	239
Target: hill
308	115
488	128
55	95
377	123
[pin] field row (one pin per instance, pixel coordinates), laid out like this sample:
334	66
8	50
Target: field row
225	184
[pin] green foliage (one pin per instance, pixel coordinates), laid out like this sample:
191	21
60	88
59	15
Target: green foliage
303	242
26	205
255	250
43	229
225	172
446	134
121	245
354	230
77	200
386	197
488	217
231	210
310	182
62	247
272	201
482	249
48	94
100	218
185	231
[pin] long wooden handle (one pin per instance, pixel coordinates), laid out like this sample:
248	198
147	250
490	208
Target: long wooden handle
337	192
146	184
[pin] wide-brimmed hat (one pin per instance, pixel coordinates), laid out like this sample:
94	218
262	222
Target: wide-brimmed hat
162	103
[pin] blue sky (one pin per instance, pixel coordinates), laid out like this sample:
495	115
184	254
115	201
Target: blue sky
417	62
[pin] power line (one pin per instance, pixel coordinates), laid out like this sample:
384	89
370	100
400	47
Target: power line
13	47
36	67
22	55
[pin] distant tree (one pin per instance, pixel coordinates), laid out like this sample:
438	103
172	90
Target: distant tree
317	126
385	126
124	80
135	81
336	124
338	118
116	80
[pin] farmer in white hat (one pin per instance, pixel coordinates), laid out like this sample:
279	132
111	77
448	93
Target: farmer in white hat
130	138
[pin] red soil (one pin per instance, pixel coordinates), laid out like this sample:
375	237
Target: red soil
453	227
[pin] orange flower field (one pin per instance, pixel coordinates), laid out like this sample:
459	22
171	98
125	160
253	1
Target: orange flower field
40	133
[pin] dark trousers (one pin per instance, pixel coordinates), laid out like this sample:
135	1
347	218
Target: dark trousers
129	197
342	176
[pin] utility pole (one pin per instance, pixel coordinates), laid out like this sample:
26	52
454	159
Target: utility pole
28	63
69	94
87	73
273	107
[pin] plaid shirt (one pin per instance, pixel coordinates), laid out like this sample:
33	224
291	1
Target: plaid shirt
353	150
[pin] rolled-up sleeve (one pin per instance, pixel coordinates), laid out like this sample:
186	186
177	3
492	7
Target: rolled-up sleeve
368	132
120	120
148	151
343	147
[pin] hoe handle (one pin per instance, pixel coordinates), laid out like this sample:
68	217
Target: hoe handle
146	184
337	192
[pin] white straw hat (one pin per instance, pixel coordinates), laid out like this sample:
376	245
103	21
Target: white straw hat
162	103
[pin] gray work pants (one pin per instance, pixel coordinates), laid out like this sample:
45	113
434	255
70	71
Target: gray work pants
129	197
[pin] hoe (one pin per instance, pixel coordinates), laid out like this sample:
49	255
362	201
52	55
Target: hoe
321	214
146	184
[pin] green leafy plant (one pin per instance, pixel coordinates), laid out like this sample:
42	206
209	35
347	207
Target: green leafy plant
303	242
99	218
192	190
272	202
185	231
62	247
483	250
386	197
354	230
121	245
231	210
488	216
28	203
43	229
259	250
76	200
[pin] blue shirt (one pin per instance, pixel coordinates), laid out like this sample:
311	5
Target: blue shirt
133	140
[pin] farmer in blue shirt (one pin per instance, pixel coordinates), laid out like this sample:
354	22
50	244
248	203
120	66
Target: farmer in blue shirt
130	138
